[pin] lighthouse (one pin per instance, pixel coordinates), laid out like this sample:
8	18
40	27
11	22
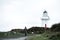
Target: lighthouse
44	19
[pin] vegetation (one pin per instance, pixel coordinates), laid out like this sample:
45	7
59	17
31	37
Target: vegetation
52	34
43	36
55	27
10	34
46	36
37	30
55	36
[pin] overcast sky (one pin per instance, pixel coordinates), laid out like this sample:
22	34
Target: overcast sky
21	13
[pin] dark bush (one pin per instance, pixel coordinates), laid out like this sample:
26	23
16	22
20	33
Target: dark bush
55	37
55	27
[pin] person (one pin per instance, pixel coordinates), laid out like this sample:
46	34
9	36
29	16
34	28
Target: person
25	31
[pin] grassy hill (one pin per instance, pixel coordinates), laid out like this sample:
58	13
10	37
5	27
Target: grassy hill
10	35
46	36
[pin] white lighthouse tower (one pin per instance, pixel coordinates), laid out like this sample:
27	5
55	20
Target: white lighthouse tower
44	19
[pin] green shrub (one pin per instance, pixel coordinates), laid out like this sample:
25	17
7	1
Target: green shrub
55	37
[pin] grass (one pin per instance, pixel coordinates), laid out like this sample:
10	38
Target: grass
38	37
46	36
10	35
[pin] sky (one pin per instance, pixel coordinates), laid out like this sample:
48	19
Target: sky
16	14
